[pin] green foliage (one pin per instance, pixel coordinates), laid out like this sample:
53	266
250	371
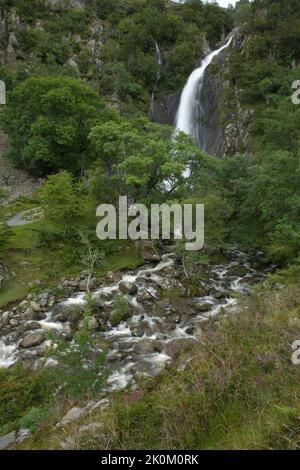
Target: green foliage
79	367
178	31
20	392
4	235
121	309
239	389
32	419
3	193
136	158
60	200
55	115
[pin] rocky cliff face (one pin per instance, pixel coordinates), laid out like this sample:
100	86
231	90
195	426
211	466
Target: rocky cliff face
12	26
225	123
163	108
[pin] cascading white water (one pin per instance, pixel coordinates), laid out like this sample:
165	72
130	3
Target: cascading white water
190	111
158	59
7	355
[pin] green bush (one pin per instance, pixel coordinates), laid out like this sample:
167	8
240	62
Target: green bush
121	309
32	419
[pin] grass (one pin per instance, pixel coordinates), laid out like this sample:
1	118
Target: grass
24	255
239	390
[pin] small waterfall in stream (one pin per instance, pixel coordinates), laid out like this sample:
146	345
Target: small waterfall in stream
190	113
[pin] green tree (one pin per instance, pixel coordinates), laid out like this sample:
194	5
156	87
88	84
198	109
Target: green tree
139	158
61	202
48	121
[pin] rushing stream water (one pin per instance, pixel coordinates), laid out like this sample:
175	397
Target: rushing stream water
157	324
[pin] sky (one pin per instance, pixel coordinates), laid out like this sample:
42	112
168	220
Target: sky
222	3
225	3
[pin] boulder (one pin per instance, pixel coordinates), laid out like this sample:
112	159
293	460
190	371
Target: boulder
177	346
14	438
33	339
147	346
204	307
144	296
147	251
128	287
28	314
7	440
72	415
35	306
5	317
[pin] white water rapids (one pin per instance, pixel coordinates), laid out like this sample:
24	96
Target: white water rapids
156	325
190	110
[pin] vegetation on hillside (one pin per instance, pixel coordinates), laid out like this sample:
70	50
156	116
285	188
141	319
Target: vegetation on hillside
238	390
84	126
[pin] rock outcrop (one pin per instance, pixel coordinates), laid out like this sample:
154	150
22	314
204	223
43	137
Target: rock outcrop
225	124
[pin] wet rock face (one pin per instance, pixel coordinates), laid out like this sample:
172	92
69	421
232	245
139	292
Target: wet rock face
225	124
164	108
223	132
213	132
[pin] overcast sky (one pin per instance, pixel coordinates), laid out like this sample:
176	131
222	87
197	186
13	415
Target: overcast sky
223	3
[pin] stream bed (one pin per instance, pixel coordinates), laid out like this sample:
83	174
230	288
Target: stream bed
163	317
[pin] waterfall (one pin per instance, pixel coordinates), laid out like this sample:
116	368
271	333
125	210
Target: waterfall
190	112
158	58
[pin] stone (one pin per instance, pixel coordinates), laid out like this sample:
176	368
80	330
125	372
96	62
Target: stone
144	296
205	307
128	287
138	331
62	317
219	294
5	317
72	415
22	435
14	437
83	285
94	324
35	306
43	302
7	440
90	427
67	332
33	339
28	314
99	405
23	304
14	323
147	346
30	326
147	251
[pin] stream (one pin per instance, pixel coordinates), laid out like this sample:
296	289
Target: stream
163	317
